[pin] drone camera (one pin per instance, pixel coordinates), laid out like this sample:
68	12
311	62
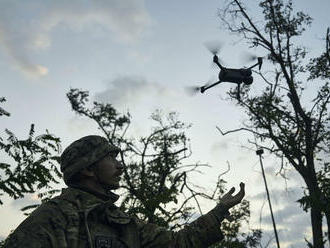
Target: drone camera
248	80
246	73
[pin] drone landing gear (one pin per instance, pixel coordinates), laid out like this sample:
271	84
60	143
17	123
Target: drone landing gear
238	95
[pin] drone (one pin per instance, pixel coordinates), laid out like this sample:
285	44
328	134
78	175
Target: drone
232	75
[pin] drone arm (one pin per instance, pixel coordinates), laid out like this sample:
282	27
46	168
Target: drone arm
218	64
254	65
258	63
216	61
206	87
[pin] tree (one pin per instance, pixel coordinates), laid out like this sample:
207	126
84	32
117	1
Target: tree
152	176
233	235
32	163
298	130
155	174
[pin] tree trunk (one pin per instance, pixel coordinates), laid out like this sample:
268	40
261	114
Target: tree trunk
316	218
327	216
316	209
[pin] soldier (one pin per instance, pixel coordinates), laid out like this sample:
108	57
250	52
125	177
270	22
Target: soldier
84	215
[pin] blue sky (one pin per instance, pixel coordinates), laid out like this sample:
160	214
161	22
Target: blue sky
139	56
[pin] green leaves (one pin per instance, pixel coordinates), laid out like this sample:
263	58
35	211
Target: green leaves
157	187
109	121
156	178
319	67
280	117
2	111
154	172
31	164
234	237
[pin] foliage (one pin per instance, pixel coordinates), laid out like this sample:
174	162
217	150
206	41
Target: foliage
2	111
319	66
323	179
233	235
109	121
155	174
32	162
298	129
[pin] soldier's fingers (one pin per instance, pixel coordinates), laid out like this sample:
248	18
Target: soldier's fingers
230	192
239	196
228	195
242	186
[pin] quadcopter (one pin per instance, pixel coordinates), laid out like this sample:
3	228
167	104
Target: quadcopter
232	75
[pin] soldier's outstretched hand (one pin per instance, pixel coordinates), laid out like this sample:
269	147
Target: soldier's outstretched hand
229	200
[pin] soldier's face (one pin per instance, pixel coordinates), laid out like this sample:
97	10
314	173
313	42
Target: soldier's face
109	171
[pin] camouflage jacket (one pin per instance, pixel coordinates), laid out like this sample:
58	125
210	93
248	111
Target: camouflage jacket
78	218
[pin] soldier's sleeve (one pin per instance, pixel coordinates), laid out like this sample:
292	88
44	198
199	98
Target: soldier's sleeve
22	238
201	233
43	228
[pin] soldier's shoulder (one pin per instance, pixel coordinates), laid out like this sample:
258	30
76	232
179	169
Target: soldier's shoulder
51	209
54	210
40	224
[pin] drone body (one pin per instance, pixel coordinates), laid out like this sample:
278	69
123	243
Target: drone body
232	75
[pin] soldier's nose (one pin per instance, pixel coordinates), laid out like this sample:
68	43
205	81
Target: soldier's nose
120	165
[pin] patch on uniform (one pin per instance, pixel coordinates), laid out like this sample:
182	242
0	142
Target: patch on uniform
102	241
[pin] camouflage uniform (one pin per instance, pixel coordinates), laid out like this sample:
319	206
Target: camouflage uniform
80	217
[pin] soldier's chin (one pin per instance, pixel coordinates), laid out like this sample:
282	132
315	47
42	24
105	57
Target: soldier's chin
114	186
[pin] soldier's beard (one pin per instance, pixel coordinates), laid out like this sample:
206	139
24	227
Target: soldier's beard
107	187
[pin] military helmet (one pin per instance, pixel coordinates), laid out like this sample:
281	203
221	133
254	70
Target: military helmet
84	152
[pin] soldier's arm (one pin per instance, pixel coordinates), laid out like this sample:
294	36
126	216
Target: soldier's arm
27	240
201	233
45	227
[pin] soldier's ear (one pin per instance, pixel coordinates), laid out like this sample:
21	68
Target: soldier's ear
88	172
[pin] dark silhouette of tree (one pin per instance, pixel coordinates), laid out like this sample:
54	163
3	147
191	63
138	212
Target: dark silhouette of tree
234	237
298	130
30	165
157	186
155	174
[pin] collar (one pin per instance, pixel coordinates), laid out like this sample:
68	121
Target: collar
86	198
110	196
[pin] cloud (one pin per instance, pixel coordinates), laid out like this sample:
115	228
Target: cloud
281	195
132	90
25	26
29	199
293	224
268	239
13	44
219	146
